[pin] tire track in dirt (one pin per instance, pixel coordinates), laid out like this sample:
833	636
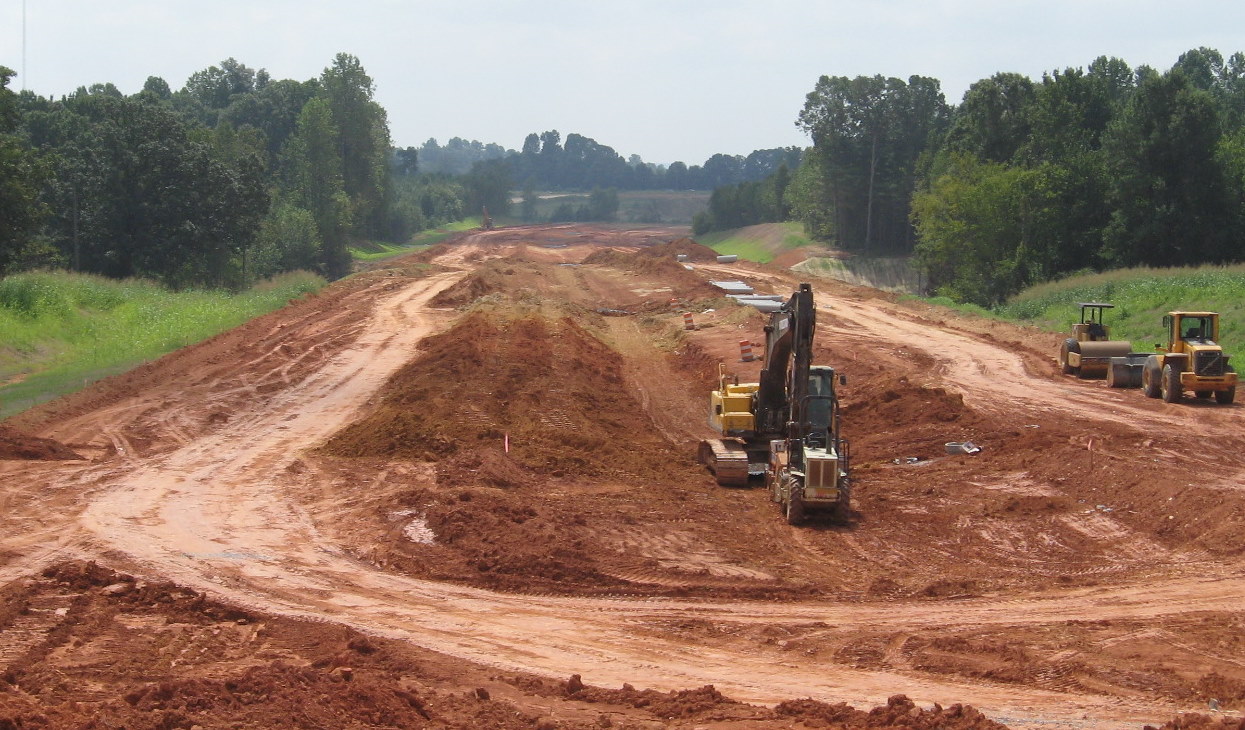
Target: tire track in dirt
211	516
986	374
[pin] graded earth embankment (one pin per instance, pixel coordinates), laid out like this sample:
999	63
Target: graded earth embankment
429	495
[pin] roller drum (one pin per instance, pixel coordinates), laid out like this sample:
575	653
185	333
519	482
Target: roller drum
1124	372
1105	349
1094	356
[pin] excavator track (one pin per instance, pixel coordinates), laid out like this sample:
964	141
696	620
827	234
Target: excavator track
728	460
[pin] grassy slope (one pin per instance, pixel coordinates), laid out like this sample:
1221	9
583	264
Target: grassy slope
376	250
60	331
758	243
1141	296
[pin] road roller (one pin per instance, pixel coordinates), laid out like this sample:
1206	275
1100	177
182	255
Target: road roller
1088	352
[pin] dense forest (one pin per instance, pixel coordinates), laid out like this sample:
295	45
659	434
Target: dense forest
238	176
234	177
1023	181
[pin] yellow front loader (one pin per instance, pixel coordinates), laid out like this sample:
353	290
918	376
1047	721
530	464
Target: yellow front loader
1192	361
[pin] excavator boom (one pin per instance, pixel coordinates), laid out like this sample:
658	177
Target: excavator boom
785	426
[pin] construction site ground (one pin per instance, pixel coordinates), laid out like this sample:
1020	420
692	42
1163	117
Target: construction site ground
460	490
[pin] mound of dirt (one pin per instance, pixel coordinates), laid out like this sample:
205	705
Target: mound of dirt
789	258
666	268
16	445
486	467
430	254
89	647
931	416
887	402
507	542
698	363
1196	721
900	712
675	705
120	652
547	388
695	252
473	286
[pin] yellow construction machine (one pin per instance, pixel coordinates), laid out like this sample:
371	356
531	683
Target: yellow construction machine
785	427
1088	352
1192	360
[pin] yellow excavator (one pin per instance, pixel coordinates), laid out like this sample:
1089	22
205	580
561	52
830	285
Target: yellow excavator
787	426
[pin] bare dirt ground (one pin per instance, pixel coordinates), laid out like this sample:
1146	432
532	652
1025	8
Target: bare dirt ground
460	491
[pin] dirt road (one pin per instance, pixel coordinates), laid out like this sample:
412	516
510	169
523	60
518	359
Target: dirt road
540	512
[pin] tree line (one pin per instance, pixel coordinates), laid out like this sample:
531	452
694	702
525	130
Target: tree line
547	162
237	176
232	178
1023	181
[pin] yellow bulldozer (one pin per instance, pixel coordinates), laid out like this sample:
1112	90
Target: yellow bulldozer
1191	361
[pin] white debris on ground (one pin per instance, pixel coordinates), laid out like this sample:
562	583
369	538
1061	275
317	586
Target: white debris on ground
417	530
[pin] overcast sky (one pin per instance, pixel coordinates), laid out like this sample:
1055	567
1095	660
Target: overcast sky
665	79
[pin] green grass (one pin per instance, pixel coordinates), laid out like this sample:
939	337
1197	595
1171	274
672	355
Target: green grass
1141	298
949	303
744	249
465	224
378	250
758	243
60	331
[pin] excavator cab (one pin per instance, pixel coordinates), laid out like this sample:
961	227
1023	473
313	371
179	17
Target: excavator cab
821	398
819	409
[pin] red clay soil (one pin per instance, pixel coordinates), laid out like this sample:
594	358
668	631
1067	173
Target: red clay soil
501	406
528	381
17	445
104	649
689	284
432	493
695	252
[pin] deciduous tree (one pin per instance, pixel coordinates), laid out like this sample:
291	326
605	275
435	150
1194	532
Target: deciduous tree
21	175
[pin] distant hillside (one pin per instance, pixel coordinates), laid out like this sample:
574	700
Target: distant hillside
893	273
784	244
676	207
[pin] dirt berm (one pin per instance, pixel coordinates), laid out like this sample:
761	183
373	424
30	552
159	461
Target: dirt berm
460	491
